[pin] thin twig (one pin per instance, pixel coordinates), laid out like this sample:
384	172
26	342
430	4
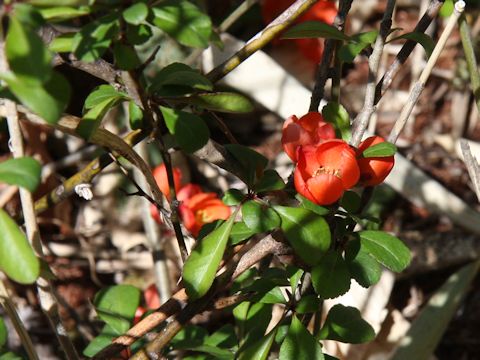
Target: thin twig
324	66
470	58
407	49
420	84
363	118
236	14
282	22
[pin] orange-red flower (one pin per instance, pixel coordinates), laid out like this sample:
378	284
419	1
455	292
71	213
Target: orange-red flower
199	208
324	172
373	170
160	175
310	129
324	11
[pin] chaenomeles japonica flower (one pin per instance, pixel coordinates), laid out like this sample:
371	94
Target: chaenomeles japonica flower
196	208
373	170
310	129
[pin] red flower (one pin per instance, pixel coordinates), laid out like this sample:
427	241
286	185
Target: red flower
324	11
324	172
310	129
373	170
200	208
160	175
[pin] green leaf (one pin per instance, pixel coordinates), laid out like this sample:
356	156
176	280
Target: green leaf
126	57
47	100
447	8
351	202
382	149
27	15
233	197
216	352
336	114
136	13
300	344
260	349
386	249
3	333
201	266
135	115
259	217
345	324
228	102
358	43
10	356
62	43
273	296
189	130
252	322
314	29
116	305
178	79
46	3
184	22
270	181
307	233
331	278
95	38
27	56
240	232
308	304
224	337
189	336
294	275
102	93
24	171
423	39
251	162
307	204
93	118
101	341
137	35
17	258
363	267
62	13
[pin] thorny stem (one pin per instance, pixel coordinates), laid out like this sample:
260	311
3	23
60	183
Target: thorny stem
363	118
324	66
420	84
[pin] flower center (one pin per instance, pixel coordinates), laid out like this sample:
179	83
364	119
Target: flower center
203	217
325	170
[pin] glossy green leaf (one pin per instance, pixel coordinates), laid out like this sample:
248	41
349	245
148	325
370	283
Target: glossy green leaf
273	296
28	15
46	3
270	181
253	323
423	39
17	258
331	278
386	249
252	163
93	118
259	217
102	93
101	341
358	43
299	344
135	115
260	349
224	337
307	233
24	171
47	100
447	8
183	21
136	13
177	79
336	114
189	336
294	276
62	43
62	13
240	232
308	304
189	130
307	204
137	35
363	267
382	149
90	43
10	356
126	57
228	102
26	53
233	197
201	266
345	324
116	305
314	29
351	202
3	333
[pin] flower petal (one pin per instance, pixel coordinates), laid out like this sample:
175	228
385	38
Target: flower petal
325	188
